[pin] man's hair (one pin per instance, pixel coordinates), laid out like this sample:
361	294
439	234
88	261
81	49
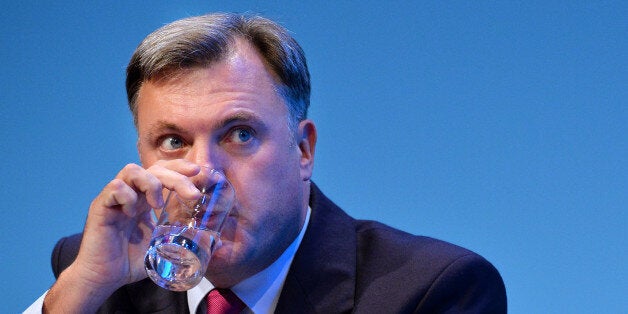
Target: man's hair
203	40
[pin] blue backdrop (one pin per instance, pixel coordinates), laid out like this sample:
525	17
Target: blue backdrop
501	127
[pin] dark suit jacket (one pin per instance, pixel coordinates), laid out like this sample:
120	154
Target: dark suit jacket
345	265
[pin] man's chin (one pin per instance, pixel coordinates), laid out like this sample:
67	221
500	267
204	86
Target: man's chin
222	259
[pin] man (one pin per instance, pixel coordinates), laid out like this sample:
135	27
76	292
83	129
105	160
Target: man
231	92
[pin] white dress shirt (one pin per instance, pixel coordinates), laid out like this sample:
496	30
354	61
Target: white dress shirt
259	292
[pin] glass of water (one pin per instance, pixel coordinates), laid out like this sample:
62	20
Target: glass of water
188	232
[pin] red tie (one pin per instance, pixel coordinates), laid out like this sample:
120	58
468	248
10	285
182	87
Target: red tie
224	301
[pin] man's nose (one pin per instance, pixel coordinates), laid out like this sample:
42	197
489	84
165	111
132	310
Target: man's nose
204	155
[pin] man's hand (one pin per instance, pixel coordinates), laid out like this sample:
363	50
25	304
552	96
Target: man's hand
117	234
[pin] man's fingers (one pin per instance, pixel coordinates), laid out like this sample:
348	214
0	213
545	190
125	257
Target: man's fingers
178	180
134	182
142	182
118	194
181	166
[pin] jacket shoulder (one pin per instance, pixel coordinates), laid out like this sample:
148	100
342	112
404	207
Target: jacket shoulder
422	274
64	253
377	239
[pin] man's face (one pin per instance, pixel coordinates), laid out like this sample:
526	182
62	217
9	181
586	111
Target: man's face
228	116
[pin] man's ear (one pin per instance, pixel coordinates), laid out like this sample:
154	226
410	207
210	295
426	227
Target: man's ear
306	141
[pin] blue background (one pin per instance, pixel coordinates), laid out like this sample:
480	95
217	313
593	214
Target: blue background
498	126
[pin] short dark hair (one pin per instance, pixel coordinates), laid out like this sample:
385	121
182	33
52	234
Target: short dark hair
203	40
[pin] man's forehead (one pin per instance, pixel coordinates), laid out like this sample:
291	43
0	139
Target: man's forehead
241	80
242	58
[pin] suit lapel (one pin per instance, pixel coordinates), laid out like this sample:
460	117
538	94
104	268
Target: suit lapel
322	276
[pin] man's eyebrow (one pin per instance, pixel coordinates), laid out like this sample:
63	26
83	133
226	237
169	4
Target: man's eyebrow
160	127
238	117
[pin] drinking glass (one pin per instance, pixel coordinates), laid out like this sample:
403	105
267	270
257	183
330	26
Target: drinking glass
188	232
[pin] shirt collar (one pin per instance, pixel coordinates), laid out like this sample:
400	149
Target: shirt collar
261	291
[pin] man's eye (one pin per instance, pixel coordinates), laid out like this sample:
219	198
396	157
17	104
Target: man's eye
171	143
240	135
